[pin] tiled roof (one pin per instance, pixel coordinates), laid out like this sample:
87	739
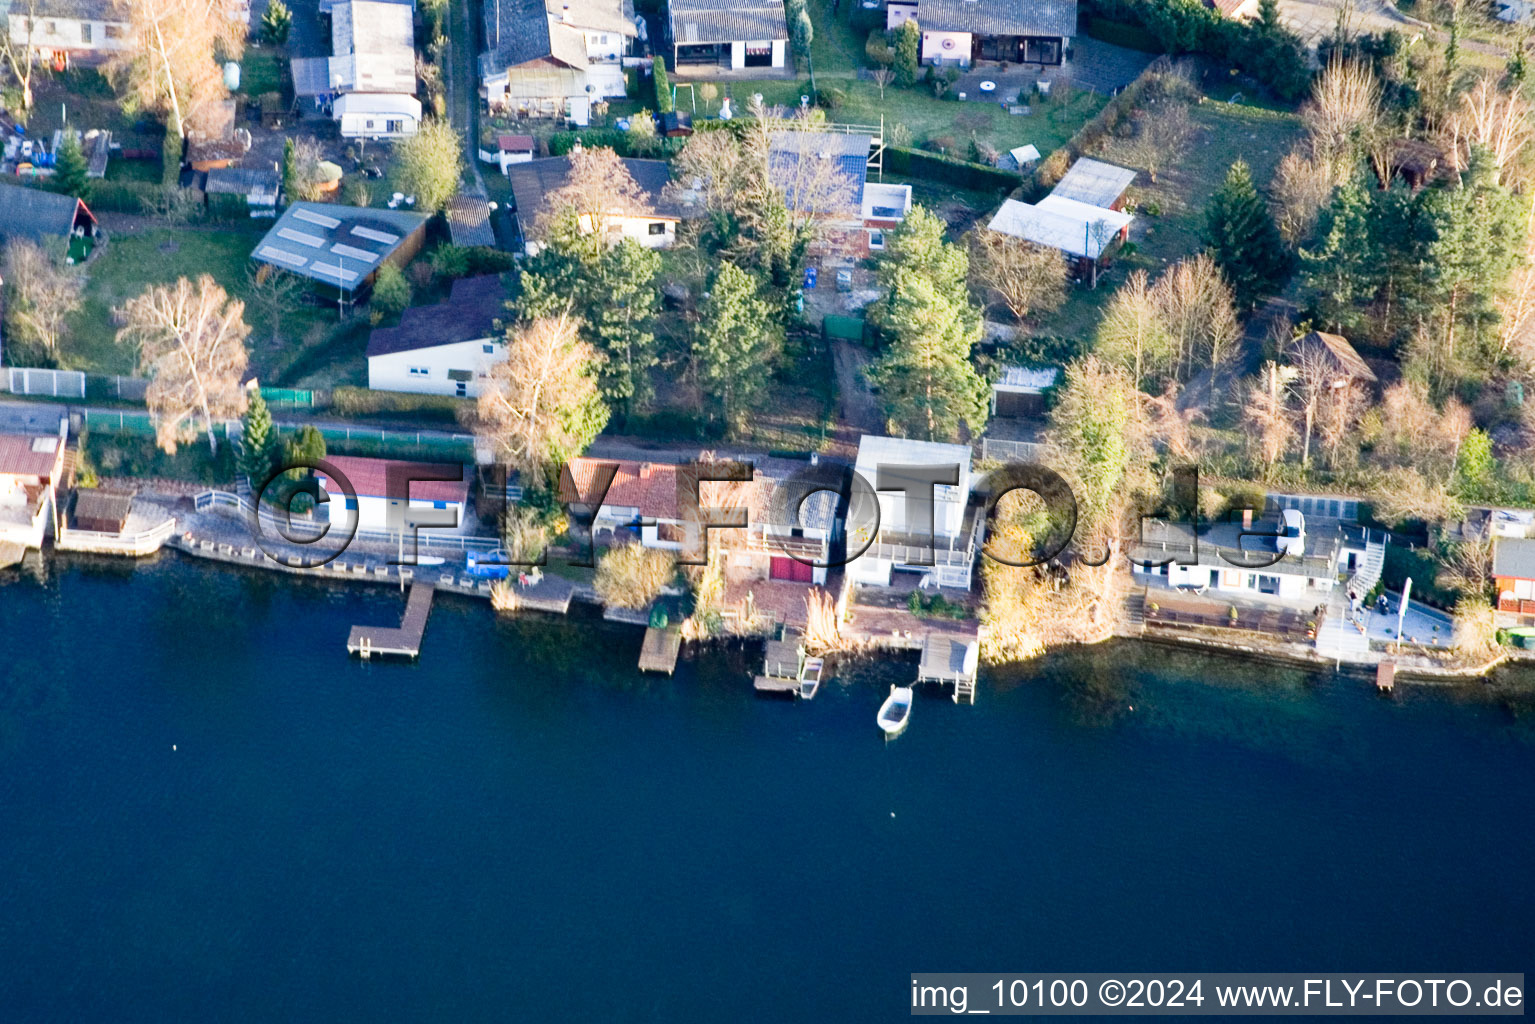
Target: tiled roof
79	10
727	21
28	454
521	31
368	478
787	148
650	487
467	315
469	220
999	17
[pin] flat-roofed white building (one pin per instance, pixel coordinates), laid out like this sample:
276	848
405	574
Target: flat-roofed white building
900	542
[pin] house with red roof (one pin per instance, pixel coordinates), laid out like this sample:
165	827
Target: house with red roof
32	468
375	508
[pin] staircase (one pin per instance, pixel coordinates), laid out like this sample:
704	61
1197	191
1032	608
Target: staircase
1135	611
1368	574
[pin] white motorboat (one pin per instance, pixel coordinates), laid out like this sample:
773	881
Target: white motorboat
896	711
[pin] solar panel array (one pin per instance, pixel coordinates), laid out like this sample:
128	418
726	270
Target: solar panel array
335	244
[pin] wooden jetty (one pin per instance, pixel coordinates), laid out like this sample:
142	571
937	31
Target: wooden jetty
660	649
402	640
786	669
951	658
1385	676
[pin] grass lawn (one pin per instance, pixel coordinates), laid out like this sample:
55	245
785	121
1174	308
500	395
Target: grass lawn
915	116
260	71
132	262
1227	132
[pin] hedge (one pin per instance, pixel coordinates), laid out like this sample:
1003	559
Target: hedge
663	87
122	196
351	401
919	163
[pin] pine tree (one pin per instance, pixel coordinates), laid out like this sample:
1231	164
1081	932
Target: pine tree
917	246
276	23
735	342
71	173
1242	238
927	385
621	321
291	186
258	444
1344	267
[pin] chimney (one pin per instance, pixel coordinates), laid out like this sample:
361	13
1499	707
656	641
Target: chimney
644	471
565	14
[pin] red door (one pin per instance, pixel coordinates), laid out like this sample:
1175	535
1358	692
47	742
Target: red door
792	570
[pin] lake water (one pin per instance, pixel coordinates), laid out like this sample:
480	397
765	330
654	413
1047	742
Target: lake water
208	811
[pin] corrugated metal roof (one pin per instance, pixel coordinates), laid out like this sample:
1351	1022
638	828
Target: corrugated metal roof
728	21
1094	182
999	17
1063	224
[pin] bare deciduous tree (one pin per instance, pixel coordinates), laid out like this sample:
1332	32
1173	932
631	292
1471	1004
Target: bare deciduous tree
1162	133
1302	186
541	406
1196	305
191	343
597	188
1267	417
1404	494
797	158
883	77
41	294
171	65
20	54
1133	333
1344	115
1027	278
1489	117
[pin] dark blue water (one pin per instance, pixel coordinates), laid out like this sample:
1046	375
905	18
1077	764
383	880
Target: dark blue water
521	827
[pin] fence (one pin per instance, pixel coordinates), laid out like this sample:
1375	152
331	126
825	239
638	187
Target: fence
57	383
100	387
1010	451
208	500
459	447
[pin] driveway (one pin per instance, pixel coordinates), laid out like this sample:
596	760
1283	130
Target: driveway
1313	20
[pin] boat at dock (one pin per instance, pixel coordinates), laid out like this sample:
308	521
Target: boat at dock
810	677
896	711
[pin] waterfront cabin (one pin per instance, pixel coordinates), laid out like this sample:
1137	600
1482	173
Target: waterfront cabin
102	511
899	545
640	504
447	348
1176	555
1513	574
376	510
32	469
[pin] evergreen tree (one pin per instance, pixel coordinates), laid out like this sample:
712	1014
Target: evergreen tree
917	246
391	293
1344	267
71	173
308	445
908	50
621	321
735	342
927	385
276	23
291	186
258	441
1242	238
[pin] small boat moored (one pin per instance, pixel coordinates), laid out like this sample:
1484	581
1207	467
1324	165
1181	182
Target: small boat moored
810	677
896	711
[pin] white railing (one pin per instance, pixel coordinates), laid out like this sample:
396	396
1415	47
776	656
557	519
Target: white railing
58	383
143	542
428	536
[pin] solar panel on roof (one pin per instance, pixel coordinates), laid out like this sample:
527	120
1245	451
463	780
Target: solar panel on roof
316	218
375	236
267	252
354	253
302	238
326	270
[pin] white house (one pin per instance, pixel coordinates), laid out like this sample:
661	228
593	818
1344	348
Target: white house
899	544
377	115
654	227
554	58
729	34
31	471
1171	555
443	501
369	81
66	31
443	349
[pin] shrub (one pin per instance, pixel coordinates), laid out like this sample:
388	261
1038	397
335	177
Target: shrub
1131	37
391	292
631	575
663	87
950	170
350	401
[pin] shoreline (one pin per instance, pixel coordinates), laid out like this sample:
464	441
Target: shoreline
1244	650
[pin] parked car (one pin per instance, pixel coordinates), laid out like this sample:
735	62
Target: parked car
1292	539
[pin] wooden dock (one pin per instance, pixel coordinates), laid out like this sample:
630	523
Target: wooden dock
403	640
660	649
949	658
781	662
1385	676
